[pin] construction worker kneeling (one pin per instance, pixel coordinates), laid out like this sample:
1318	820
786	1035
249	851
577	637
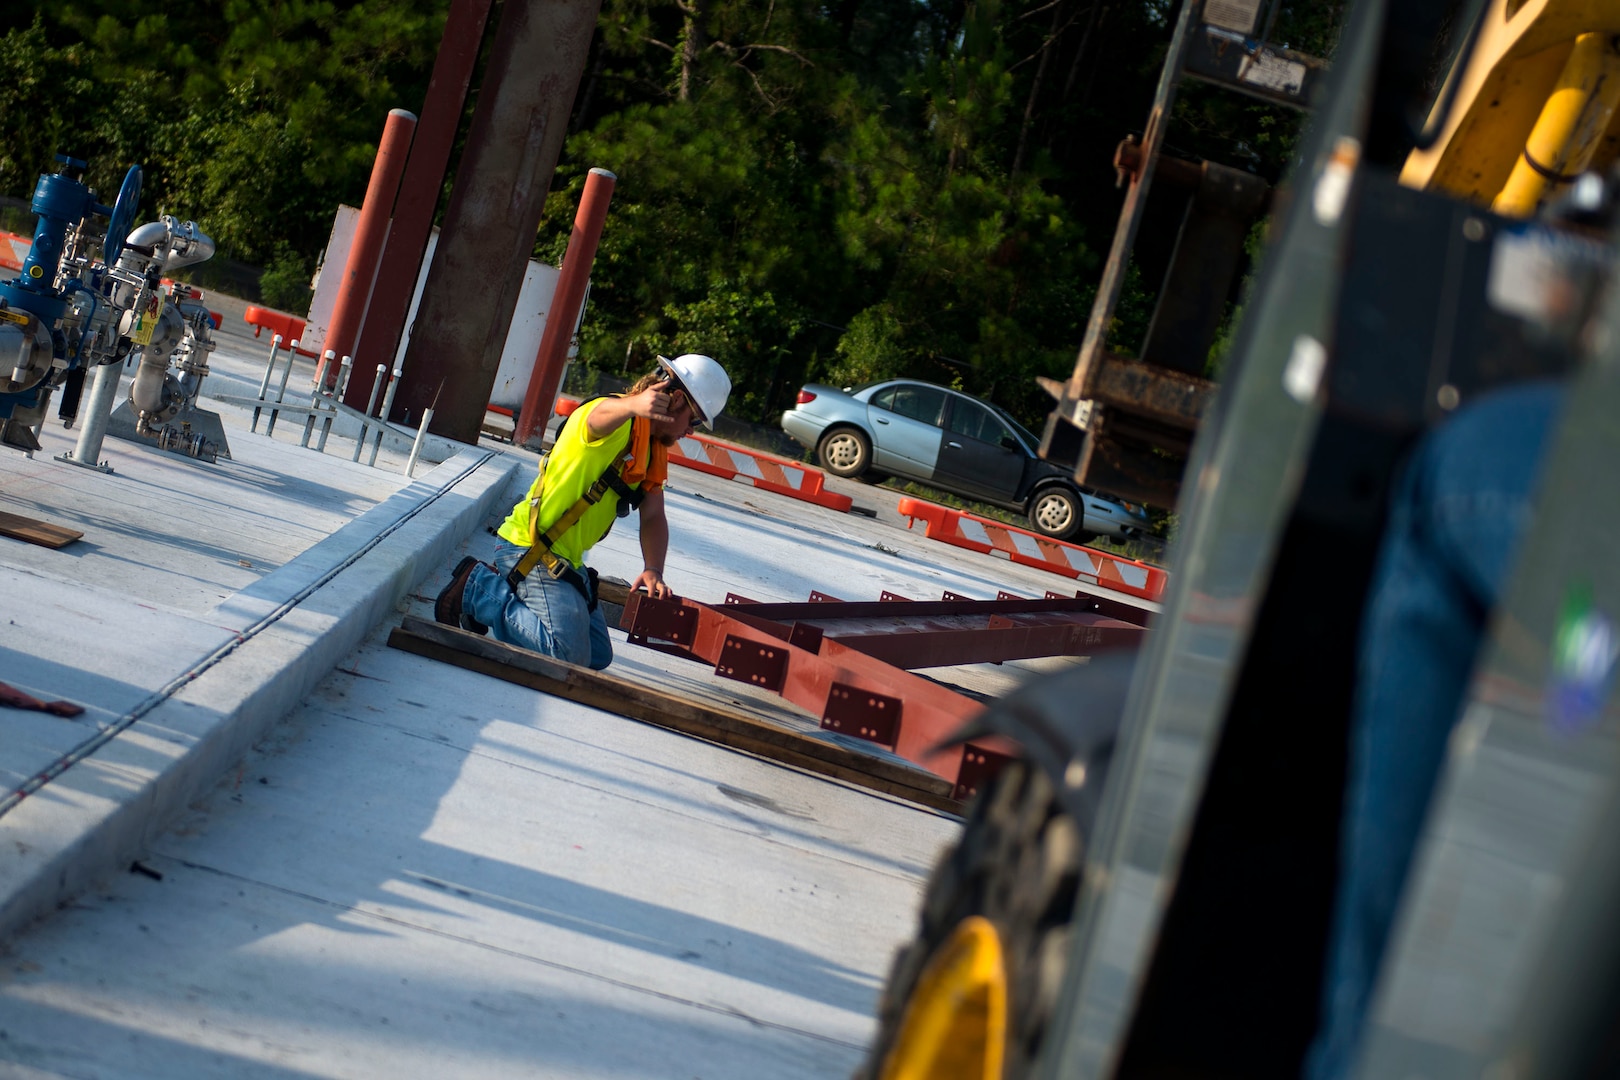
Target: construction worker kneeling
610	458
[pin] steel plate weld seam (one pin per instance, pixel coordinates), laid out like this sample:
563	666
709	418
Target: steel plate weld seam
173	686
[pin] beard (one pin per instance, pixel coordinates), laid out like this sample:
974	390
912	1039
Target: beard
669	432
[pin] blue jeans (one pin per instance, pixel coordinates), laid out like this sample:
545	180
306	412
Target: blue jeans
544	615
1458	510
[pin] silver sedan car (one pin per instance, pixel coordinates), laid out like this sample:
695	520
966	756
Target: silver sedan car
957	443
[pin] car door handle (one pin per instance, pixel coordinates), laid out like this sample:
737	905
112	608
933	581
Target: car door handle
880	420
954	445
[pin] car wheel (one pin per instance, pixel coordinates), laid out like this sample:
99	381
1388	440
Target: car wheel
844	452
1005	894
1058	512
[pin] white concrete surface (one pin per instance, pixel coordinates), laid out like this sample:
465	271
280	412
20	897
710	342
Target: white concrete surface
427	872
355	862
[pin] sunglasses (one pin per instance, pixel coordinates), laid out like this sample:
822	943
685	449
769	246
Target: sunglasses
686	396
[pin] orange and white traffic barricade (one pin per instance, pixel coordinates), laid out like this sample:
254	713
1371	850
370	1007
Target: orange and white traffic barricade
13	250
764	471
1028	549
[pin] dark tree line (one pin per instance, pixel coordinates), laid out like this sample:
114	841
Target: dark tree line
839	191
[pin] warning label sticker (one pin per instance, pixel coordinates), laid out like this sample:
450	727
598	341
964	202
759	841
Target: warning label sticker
1272	72
1238	15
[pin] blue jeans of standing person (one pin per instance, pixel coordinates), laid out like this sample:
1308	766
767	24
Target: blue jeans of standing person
544	615
1458	510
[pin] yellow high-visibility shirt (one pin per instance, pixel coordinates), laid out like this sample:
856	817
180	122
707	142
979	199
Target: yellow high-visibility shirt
573	465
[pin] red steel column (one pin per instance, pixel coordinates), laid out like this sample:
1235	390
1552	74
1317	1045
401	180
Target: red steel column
550	358
418	196
472	287
354	292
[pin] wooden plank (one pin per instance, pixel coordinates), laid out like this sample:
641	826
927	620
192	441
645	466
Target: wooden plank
637	702
35	531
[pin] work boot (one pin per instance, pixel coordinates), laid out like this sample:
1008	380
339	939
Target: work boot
447	608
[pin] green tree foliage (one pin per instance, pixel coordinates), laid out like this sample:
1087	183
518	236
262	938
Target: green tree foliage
895	184
837	189
257	131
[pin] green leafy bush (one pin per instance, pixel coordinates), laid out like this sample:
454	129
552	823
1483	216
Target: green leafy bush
285	282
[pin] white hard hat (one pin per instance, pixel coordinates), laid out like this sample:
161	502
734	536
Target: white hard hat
704	380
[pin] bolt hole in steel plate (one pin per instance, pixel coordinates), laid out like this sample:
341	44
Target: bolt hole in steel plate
752	662
979	766
806	636
667	619
863	714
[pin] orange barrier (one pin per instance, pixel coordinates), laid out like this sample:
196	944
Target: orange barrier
290	327
753	467
14	249
764	471
1026	548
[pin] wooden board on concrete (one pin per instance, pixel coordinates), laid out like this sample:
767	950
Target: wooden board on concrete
35	531
728	727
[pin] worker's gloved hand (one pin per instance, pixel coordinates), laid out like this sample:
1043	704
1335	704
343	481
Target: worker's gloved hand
654	583
654	403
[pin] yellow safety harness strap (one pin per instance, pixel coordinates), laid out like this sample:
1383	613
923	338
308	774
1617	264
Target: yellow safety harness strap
540	552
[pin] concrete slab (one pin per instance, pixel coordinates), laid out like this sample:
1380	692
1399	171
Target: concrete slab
427	869
352	861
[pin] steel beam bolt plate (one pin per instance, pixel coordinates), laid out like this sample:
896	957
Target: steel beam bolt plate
823	598
669	620
863	714
806	636
755	662
979	767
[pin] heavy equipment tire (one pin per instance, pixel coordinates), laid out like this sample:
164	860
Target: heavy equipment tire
1060	513
1017	865
844	451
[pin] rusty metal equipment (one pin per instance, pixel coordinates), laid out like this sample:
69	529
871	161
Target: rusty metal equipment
850	664
505	171
1126	424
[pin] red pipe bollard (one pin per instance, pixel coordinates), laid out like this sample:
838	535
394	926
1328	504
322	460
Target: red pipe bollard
379	338
549	359
354	291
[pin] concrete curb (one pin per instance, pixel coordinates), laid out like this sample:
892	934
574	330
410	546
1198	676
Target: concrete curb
292	628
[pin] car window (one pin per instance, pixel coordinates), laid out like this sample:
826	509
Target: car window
918	402
977	422
1028	436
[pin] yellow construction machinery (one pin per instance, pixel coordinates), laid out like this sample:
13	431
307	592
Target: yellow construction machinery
1149	891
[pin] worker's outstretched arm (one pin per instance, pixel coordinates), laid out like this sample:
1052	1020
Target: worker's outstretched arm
652	403
654	546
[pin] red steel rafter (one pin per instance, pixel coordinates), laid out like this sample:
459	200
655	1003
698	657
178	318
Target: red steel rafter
837	661
913	635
